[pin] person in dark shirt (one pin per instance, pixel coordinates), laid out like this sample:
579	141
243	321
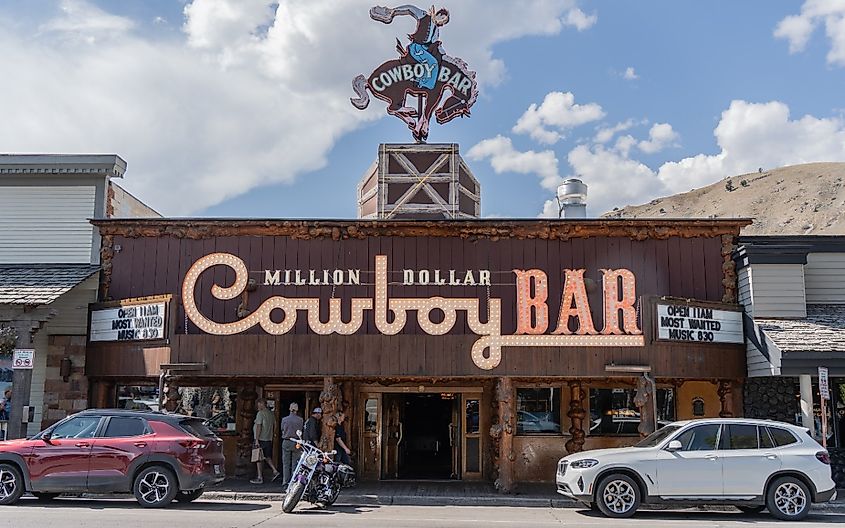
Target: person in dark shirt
340	446
312	430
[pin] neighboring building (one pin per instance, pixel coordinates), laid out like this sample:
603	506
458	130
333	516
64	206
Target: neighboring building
793	290
444	341
49	273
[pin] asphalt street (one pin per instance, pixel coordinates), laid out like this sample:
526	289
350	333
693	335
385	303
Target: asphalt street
120	513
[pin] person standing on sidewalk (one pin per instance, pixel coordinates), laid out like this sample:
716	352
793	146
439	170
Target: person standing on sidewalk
263	431
312	431
290	454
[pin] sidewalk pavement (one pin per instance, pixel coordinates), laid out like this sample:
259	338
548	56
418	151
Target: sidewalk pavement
435	493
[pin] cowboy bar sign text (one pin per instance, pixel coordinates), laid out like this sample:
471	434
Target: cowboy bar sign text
533	316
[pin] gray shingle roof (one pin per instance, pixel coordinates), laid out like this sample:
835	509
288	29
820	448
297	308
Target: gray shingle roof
823	330
40	284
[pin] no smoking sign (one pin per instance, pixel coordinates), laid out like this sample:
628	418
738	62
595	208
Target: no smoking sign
23	358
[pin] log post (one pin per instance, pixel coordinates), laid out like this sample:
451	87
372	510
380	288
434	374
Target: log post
644	400
724	392
330	402
504	431
246	417
576	416
172	398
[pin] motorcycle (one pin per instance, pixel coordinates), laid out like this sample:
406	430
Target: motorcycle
317	478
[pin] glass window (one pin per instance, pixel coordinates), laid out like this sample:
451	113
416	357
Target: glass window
699	438
197	428
612	411
781	437
78	427
371	415
538	411
658	436
122	426
738	436
138	397
765	439
472	416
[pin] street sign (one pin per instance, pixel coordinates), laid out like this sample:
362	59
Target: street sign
23	358
824	385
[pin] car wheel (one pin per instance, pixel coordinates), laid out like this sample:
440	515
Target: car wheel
155	487
189	496
45	496
618	496
11	484
751	510
788	499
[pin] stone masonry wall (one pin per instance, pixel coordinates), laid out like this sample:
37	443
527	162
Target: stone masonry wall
62	398
771	398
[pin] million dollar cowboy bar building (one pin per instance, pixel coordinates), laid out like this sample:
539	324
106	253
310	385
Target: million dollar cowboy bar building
468	349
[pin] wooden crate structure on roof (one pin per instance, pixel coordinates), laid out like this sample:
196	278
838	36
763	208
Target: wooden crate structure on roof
419	181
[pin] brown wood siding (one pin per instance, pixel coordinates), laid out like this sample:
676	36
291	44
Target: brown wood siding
673	266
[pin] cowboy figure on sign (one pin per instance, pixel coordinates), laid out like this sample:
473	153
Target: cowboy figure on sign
422	70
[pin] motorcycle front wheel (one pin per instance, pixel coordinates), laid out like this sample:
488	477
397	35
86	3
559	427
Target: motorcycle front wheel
293	496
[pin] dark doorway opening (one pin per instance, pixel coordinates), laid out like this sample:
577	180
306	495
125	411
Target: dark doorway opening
425	451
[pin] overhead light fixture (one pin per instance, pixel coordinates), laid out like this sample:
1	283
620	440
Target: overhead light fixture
627	368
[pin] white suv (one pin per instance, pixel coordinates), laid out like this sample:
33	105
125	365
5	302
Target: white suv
751	464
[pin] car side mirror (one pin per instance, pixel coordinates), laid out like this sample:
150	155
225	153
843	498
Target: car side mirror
46	436
674	445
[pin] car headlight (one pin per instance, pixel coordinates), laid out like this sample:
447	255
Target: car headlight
584	463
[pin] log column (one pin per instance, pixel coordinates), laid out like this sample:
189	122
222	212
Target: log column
644	400
576	416
246	418
503	432
724	392
330	402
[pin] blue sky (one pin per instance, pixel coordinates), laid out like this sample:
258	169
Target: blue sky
226	108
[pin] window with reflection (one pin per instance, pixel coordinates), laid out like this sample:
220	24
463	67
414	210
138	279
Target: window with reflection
472	423
371	415
538	411
613	412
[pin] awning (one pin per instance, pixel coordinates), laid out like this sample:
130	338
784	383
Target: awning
34	284
806	344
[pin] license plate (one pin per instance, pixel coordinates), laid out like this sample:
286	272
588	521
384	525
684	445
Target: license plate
216	469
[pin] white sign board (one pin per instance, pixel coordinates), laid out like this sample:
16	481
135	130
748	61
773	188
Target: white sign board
23	358
824	384
681	322
135	322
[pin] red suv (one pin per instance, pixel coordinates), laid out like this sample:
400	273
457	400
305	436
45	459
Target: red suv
158	457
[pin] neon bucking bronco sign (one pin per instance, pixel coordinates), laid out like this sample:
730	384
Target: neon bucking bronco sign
422	70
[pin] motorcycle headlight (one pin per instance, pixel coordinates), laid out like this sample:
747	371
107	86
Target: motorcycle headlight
310	460
584	463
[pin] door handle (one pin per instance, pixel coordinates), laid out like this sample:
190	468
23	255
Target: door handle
712	458
770	456
140	444
83	444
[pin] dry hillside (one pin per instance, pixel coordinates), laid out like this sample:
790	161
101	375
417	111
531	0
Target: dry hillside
797	200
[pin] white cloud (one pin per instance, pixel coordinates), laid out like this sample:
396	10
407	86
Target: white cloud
505	158
749	135
605	134
248	96
558	113
660	136
579	20
752	135
798	29
86	22
630	74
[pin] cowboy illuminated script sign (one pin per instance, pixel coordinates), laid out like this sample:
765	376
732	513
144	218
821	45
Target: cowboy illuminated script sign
422	70
574	323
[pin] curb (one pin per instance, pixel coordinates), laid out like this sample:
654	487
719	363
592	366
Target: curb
512	501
